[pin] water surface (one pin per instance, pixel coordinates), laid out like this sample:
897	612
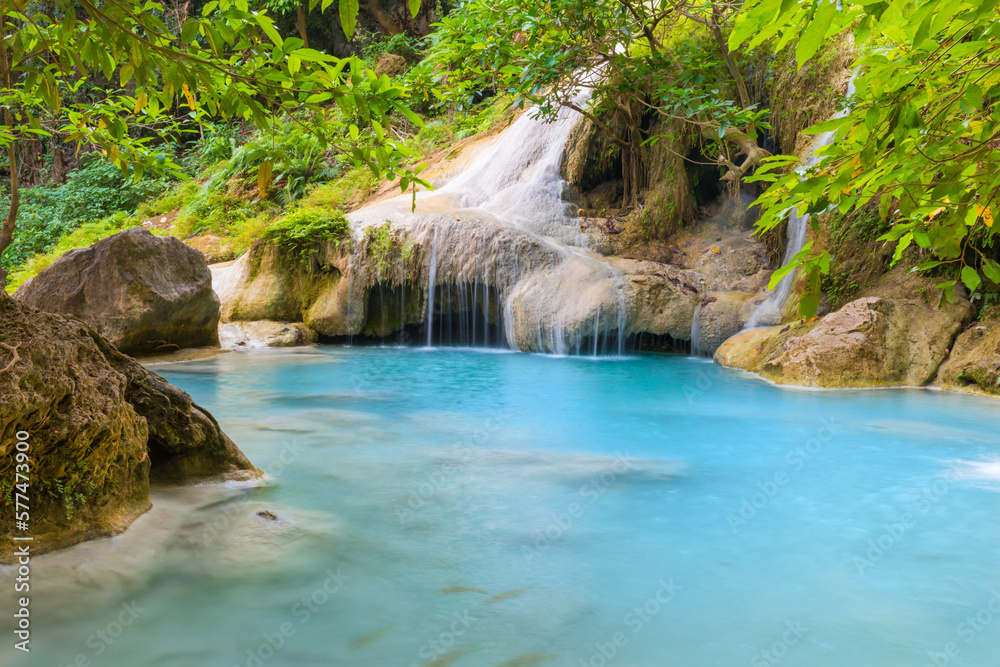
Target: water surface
477	508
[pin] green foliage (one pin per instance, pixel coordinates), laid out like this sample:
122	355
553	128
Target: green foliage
919	138
388	250
296	155
92	192
172	200
227	62
858	257
638	58
304	230
402	44
344	192
147	83
454	126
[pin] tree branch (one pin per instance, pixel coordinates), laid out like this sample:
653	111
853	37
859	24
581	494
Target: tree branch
15	356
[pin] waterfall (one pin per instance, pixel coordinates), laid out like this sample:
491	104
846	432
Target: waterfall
431	285
768	313
501	233
696	332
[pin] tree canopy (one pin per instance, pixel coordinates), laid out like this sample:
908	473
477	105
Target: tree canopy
668	59
919	135
122	76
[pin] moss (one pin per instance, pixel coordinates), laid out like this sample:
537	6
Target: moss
391	256
173	200
302	232
803	97
344	193
859	258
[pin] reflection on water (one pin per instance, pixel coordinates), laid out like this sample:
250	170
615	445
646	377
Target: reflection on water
450	507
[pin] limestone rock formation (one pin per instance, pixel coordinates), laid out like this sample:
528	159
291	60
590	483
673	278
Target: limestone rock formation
264	333
974	363
661	297
872	341
141	292
722	315
98	426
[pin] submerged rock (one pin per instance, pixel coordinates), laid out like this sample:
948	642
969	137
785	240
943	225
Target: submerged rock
264	333
141	292
872	341
98	426
974	363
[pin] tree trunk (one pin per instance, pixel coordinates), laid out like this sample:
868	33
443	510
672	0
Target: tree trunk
300	21
385	21
734	71
7	230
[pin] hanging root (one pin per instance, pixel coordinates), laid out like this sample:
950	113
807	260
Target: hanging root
15	356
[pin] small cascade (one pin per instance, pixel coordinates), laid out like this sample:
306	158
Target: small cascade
696	332
768	313
431	286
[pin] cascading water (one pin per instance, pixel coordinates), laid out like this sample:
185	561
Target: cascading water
768	313
501	234
696	331
431	285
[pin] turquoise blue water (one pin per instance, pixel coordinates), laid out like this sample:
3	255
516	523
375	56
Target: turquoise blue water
474	508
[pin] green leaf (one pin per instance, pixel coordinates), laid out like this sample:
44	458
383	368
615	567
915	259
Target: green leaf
815	32
992	270
409	115
781	273
349	17
829	125
809	303
267	26
264	177
414	10
970	277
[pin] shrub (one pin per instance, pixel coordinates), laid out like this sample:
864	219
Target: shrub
298	159
302	231
95	191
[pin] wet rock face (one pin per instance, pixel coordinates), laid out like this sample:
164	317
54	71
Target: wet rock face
141	292
974	363
872	341
261	334
722	315
96	422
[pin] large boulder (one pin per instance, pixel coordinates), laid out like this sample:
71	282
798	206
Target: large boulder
974	362
141	292
872	341
98	424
